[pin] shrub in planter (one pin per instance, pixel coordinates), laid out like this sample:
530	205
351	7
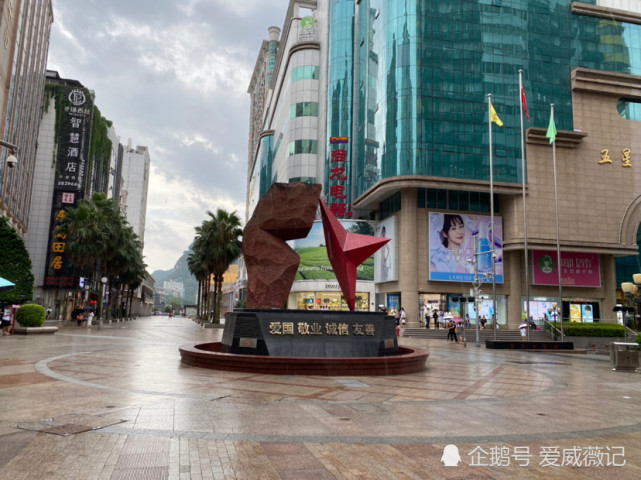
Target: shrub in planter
575	329
639	338
31	315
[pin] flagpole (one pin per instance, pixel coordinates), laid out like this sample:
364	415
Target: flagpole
526	256
493	257
558	243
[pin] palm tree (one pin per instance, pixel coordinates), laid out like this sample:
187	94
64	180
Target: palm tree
128	264
228	248
86	236
198	269
218	244
100	239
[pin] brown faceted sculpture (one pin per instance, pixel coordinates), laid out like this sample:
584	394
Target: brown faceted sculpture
286	212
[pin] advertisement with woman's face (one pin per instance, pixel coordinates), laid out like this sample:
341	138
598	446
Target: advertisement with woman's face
384	260
452	241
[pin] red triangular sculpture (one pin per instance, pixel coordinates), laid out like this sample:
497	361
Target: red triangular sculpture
346	251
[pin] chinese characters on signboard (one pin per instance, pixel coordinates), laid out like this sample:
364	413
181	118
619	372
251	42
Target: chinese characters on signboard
577	269
626	161
319	328
338	183
72	154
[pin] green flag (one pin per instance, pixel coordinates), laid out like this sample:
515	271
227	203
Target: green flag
551	129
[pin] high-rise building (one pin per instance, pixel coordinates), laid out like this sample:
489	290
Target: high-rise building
25	28
387	104
134	172
66	171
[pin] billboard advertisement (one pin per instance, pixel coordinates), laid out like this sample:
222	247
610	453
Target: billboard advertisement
314	262
71	164
384	259
578	269
460	244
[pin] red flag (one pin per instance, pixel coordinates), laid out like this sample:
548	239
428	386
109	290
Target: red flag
524	103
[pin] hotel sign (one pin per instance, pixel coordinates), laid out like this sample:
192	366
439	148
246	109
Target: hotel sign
71	167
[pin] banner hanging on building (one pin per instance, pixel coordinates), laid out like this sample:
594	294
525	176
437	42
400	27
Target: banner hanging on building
71	166
577	269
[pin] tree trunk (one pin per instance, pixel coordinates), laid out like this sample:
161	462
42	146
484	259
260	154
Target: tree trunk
218	279
198	299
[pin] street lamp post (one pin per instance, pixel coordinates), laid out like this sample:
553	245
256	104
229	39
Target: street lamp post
476	283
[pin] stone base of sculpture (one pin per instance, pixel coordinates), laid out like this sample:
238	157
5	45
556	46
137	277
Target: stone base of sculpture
296	333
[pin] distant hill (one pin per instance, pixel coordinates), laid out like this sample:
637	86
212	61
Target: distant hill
180	273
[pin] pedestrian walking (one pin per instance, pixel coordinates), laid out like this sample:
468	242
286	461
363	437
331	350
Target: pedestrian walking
451	333
435	317
6	320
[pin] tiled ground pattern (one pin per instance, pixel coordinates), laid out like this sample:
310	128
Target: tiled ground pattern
510	414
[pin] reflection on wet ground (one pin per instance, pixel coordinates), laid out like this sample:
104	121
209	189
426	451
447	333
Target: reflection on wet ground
509	414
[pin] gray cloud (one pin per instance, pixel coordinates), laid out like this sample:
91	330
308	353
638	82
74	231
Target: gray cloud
172	77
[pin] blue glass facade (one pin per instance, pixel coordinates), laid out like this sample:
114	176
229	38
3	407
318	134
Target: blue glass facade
340	72
424	69
266	158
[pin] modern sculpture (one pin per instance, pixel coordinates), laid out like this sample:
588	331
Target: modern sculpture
266	338
286	212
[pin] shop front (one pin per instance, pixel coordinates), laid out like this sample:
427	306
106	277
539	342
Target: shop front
327	295
581	310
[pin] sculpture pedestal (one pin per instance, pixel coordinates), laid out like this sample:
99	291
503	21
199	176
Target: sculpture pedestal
302	333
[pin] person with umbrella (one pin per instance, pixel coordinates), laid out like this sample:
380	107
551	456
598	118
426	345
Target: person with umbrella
523	328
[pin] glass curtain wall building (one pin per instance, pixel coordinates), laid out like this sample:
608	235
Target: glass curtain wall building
401	137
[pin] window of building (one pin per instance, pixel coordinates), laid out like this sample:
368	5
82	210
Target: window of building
306	72
303	179
304	109
629	109
303	146
464	201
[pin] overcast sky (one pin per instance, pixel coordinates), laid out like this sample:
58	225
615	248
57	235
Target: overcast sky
172	76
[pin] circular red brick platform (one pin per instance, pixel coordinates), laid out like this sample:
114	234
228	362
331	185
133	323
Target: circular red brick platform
208	355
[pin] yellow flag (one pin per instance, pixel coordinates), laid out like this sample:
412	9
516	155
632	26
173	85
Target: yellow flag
494	117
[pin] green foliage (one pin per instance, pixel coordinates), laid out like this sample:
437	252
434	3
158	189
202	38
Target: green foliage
575	329
362	228
172	299
31	315
100	148
216	246
639	338
181	273
15	265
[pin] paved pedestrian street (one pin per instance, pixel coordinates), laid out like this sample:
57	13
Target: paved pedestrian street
118	404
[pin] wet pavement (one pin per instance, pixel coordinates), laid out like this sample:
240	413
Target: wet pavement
118	404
